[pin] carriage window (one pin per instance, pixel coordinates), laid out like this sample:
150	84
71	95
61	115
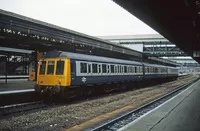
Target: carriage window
122	69
89	68
135	69
83	67
60	68
156	70
94	68
112	69
132	69
103	68
159	70
108	68
50	68
116	69
125	69
99	68
119	69
42	67
139	70
128	69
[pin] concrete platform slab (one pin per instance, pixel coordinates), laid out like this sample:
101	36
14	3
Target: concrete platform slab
16	91
20	84
181	113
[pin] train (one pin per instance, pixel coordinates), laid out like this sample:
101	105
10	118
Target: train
59	71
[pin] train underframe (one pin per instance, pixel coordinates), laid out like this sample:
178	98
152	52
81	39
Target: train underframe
86	90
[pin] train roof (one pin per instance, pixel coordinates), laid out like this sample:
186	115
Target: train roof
84	57
154	65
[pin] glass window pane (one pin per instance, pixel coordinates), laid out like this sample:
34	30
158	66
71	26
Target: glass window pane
42	67
60	68
89	68
116	69
136	70
103	68
112	69
108	68
50	68
83	67
119	69
125	69
94	68
99	68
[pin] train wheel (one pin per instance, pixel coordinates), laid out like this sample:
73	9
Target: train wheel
111	87
67	93
64	93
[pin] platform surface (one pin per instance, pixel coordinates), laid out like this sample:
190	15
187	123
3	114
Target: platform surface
181	113
18	84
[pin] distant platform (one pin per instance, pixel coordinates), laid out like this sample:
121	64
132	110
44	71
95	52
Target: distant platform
14	77
17	84
180	113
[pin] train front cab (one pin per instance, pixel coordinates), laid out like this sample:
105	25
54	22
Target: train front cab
53	74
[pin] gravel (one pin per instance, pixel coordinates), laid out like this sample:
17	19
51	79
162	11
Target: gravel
66	116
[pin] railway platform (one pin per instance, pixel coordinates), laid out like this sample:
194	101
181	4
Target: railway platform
17	91
180	113
16	85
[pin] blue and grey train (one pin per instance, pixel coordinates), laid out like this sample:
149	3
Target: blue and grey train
58	71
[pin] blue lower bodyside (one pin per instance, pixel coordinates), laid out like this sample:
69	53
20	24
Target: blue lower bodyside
103	79
92	80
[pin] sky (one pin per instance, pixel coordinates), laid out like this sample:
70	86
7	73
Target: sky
91	17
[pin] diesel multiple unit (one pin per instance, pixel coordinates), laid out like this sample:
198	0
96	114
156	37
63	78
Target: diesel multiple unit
59	70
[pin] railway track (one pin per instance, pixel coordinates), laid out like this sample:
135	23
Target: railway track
14	108
126	118
18	97
17	108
